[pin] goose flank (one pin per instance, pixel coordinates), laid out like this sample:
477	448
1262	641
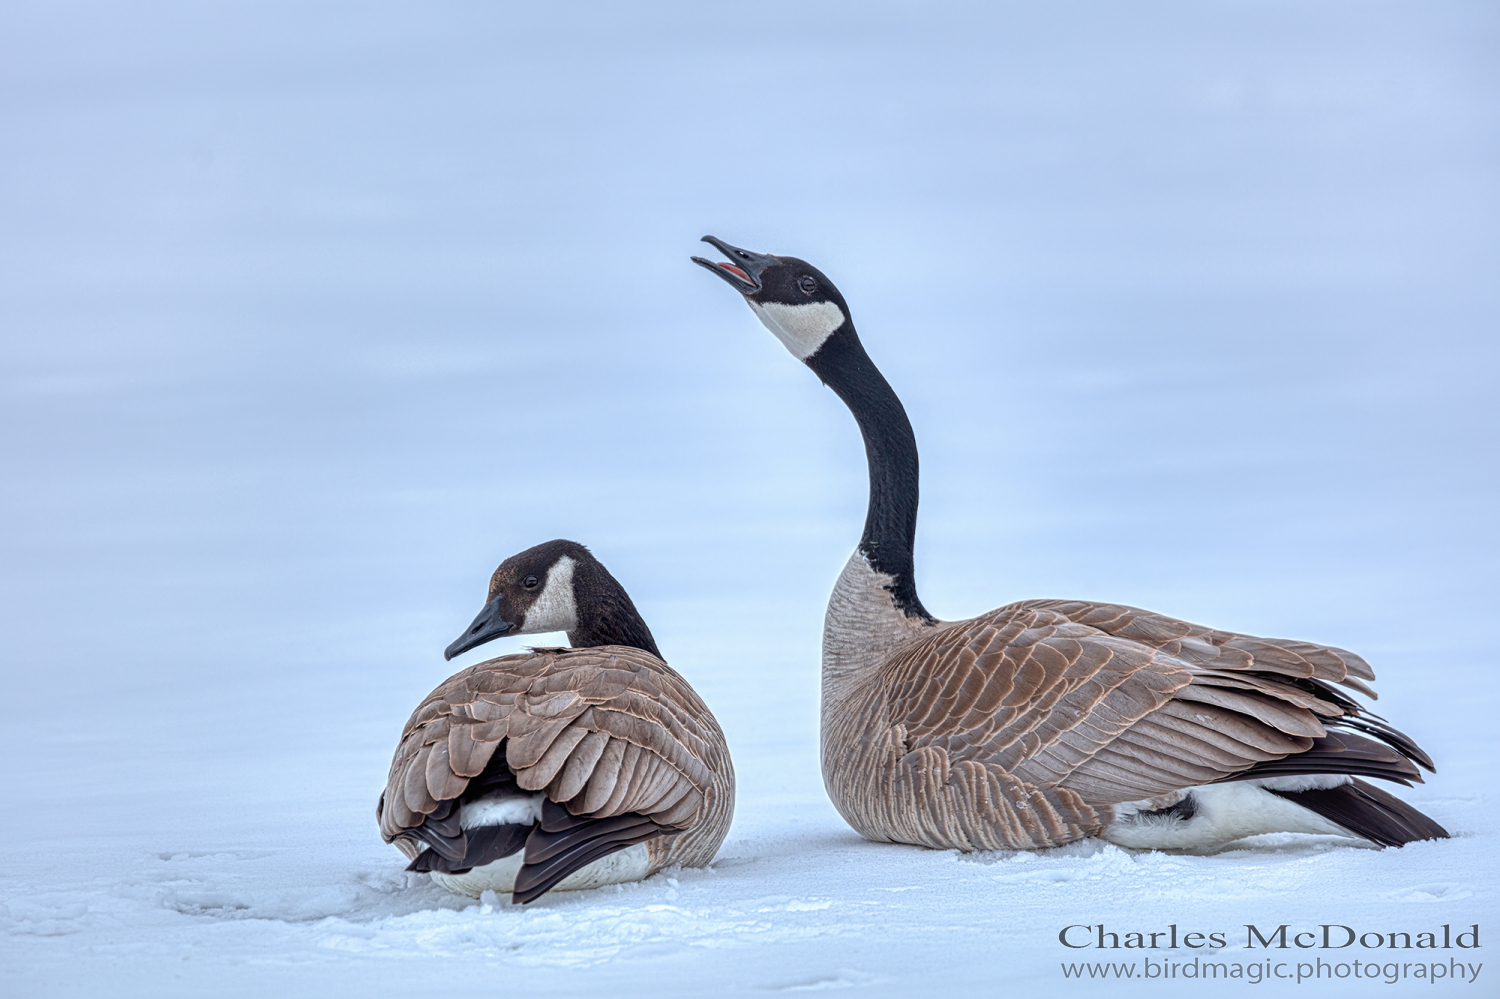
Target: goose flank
559	768
1046	721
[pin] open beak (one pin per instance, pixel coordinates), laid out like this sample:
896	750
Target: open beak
744	268
487	627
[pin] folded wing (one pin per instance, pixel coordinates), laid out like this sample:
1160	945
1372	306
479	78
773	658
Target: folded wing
1120	704
617	742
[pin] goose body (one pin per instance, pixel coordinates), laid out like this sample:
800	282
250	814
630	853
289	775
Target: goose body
1046	721
564	768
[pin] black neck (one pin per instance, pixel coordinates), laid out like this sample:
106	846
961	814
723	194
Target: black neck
606	614
891	449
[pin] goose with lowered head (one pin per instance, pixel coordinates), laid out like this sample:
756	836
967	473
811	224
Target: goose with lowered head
558	768
1046	721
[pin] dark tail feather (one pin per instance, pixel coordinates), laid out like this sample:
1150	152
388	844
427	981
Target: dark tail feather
1367	811
556	847
1378	727
564	842
481	846
1340	753
454	849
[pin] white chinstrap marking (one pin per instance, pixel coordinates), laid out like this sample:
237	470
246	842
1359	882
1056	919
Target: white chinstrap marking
800	328
1222	813
555	609
513	811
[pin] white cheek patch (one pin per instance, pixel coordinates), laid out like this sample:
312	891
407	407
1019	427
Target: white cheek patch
801	328
555	609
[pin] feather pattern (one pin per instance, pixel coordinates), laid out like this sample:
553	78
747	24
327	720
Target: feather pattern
621	746
1024	727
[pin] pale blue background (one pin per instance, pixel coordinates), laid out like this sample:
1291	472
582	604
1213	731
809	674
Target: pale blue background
312	313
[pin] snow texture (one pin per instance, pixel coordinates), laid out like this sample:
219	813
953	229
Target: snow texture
312	313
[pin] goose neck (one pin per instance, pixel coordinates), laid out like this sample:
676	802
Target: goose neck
607	615
889	536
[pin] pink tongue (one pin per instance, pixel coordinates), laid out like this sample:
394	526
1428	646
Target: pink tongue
735	270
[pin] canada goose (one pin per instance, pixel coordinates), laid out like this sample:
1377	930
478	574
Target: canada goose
558	768
1046	721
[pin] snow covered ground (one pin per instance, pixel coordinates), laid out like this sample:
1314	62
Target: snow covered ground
312	313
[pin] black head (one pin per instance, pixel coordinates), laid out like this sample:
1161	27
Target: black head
794	299
556	586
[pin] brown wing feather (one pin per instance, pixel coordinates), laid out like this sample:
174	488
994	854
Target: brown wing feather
604	731
1197	645
1119	703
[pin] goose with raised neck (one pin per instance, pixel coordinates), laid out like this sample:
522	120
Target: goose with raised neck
1046	721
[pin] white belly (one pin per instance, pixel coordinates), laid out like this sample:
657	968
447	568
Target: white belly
1224	813
629	864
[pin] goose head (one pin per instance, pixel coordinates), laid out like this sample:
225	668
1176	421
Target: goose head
791	297
530	593
556	586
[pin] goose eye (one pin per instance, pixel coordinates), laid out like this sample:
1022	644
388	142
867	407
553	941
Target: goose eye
808	284
529	582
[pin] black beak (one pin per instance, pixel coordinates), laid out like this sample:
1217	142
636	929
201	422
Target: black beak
744	268
487	627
